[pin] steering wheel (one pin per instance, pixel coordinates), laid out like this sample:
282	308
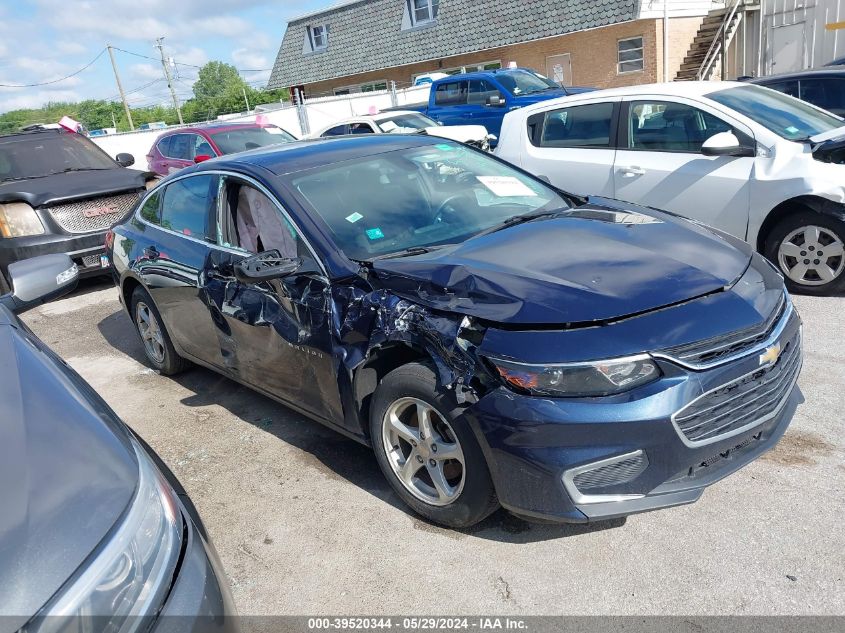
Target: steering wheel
447	208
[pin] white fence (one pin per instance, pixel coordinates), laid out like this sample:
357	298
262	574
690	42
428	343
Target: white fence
319	113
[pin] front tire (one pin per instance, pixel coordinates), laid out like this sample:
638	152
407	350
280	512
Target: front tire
156	341
427	451
809	250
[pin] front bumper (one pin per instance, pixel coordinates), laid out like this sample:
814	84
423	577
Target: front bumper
199	599
535	445
84	250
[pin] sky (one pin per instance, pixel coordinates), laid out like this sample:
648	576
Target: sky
44	40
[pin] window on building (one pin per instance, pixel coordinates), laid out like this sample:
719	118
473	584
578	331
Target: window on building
629	55
373	87
457	70
318	36
423	11
578	126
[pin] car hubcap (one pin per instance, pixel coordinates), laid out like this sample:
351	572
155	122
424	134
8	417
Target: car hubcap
423	451
812	256
150	332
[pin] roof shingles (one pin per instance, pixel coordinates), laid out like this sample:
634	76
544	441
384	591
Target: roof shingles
367	35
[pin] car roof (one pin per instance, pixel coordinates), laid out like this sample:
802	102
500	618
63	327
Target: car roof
21	135
798	74
302	155
214	127
670	89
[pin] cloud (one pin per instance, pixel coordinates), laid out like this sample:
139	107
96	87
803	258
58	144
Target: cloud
29	99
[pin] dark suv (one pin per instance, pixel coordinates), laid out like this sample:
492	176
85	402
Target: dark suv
824	88
60	193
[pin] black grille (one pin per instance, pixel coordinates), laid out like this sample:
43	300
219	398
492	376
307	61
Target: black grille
744	402
714	349
612	474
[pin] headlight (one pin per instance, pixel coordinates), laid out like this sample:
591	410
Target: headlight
597	378
18	219
131	575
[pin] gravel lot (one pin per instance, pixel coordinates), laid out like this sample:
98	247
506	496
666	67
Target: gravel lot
305	524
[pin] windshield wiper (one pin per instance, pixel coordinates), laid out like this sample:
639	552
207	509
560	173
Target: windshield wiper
407	252
64	171
521	219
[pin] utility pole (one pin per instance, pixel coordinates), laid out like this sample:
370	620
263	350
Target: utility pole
120	90
160	48
665	40
243	89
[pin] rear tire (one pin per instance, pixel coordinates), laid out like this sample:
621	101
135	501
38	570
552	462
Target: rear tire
154	337
427	451
808	248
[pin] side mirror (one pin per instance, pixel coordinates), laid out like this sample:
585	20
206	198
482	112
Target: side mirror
495	101
125	160
266	266
725	144
39	279
201	158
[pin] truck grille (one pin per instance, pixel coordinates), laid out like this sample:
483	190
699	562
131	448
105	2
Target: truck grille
96	214
743	403
714	350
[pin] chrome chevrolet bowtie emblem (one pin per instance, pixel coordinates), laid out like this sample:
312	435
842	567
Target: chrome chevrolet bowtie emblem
771	355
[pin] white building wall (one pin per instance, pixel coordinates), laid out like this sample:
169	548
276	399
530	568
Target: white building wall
804	21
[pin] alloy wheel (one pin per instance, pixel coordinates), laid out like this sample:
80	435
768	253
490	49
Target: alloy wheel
423	451
812	256
150	331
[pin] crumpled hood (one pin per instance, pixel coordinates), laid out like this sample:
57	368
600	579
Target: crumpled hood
73	184
601	261
67	473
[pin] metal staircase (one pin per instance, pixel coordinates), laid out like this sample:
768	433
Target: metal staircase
713	38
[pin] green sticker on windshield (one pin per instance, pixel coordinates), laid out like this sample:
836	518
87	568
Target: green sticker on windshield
375	234
444	147
791	130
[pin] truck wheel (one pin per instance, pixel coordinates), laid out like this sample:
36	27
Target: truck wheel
426	450
809	250
150	327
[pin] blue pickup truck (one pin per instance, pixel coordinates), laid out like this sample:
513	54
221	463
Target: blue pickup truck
483	98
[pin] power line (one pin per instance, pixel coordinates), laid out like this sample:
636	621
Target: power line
240	70
55	81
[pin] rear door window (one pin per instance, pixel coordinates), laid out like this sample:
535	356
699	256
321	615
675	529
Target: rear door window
189	206
151	209
181	146
337	130
578	126
452	93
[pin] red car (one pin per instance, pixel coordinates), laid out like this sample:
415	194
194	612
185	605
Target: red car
182	147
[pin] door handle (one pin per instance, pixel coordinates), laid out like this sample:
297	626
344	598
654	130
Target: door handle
633	170
151	252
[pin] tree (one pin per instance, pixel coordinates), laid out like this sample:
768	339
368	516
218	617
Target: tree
218	88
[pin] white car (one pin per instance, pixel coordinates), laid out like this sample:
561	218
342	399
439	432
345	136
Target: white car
748	160
407	122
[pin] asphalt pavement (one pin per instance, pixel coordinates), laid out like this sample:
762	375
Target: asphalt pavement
305	524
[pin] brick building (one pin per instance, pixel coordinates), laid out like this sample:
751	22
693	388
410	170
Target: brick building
362	45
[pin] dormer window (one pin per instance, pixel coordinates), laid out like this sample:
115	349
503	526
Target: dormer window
423	11
318	36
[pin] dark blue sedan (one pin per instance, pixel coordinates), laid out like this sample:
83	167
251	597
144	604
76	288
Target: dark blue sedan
496	341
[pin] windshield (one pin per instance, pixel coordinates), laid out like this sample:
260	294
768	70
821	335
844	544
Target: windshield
39	155
418	197
402	123
786	116
240	140
523	82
